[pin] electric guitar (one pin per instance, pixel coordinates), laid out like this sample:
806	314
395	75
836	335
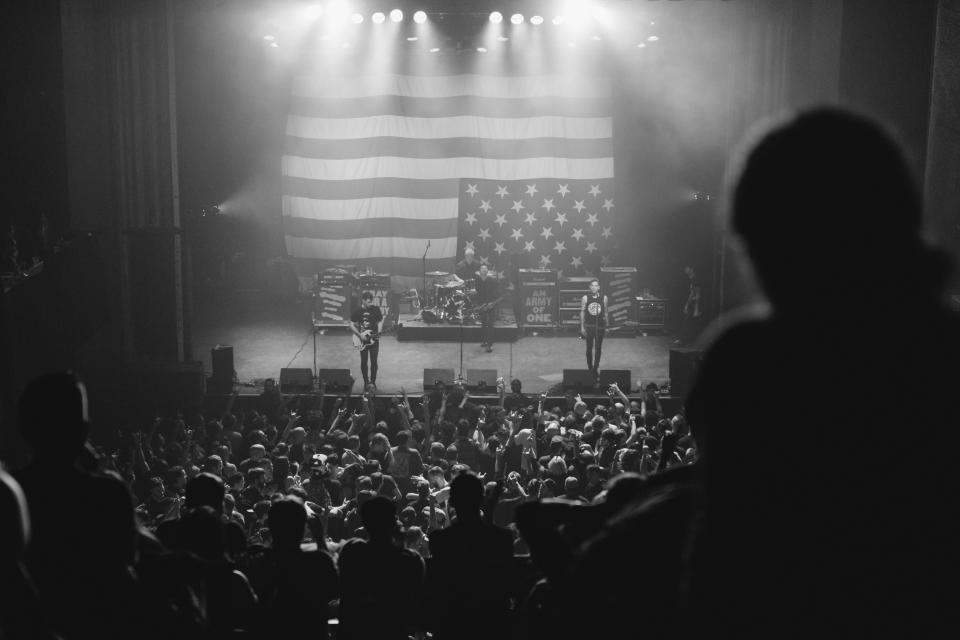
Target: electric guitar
359	342
486	306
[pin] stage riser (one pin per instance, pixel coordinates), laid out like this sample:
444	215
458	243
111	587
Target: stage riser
451	333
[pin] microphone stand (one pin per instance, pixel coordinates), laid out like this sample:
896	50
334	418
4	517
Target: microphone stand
423	283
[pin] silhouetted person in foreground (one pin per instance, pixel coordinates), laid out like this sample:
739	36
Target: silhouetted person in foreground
380	581
83	538
470	570
294	585
828	428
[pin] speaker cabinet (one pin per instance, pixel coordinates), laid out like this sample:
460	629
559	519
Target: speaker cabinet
337	379
431	376
683	370
485	379
296	380
578	379
221	381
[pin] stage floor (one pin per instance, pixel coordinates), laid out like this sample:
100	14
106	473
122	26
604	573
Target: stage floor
267	336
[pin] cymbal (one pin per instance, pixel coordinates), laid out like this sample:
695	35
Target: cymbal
437	274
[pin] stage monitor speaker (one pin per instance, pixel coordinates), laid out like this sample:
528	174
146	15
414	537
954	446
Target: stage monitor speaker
620	376
296	380
579	379
482	379
336	379
430	377
683	370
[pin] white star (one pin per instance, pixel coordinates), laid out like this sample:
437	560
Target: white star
517	234
608	204
560	247
594	190
485	205
605	261
579	206
576	263
485	260
484	234
546	233
547	204
592	219
577	234
563	191
517	205
607	232
502	192
530	218
469	245
528	247
472	189
499	248
544	261
501	219
561	218
471	218
531	189
591	247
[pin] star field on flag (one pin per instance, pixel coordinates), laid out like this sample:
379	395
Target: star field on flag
573	232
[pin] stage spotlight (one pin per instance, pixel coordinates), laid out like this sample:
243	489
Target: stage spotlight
412	38
496	17
502	38
434	49
337	12
378	17
269	38
557	20
652	39
396	15
482	49
595	37
345	45
517	18
536	20
356	18
420	17
274	45
642	45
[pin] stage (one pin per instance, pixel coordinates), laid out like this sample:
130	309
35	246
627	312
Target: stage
268	335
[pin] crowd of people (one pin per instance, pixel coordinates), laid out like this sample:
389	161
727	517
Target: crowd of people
309	500
807	488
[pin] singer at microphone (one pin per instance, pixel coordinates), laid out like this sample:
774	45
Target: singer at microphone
594	320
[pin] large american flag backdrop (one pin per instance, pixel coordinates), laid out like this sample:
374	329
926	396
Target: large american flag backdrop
378	165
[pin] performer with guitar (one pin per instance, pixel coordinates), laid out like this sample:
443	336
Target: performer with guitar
487	298
366	322
594	319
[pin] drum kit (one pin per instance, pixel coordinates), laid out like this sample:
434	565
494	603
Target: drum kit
446	301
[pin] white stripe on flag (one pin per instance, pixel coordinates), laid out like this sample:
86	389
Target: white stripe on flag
373	247
367	208
444	168
449	127
322	86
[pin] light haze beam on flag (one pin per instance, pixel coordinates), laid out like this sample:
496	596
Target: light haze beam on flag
376	165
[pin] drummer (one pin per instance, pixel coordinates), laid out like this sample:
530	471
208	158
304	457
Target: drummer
467	268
